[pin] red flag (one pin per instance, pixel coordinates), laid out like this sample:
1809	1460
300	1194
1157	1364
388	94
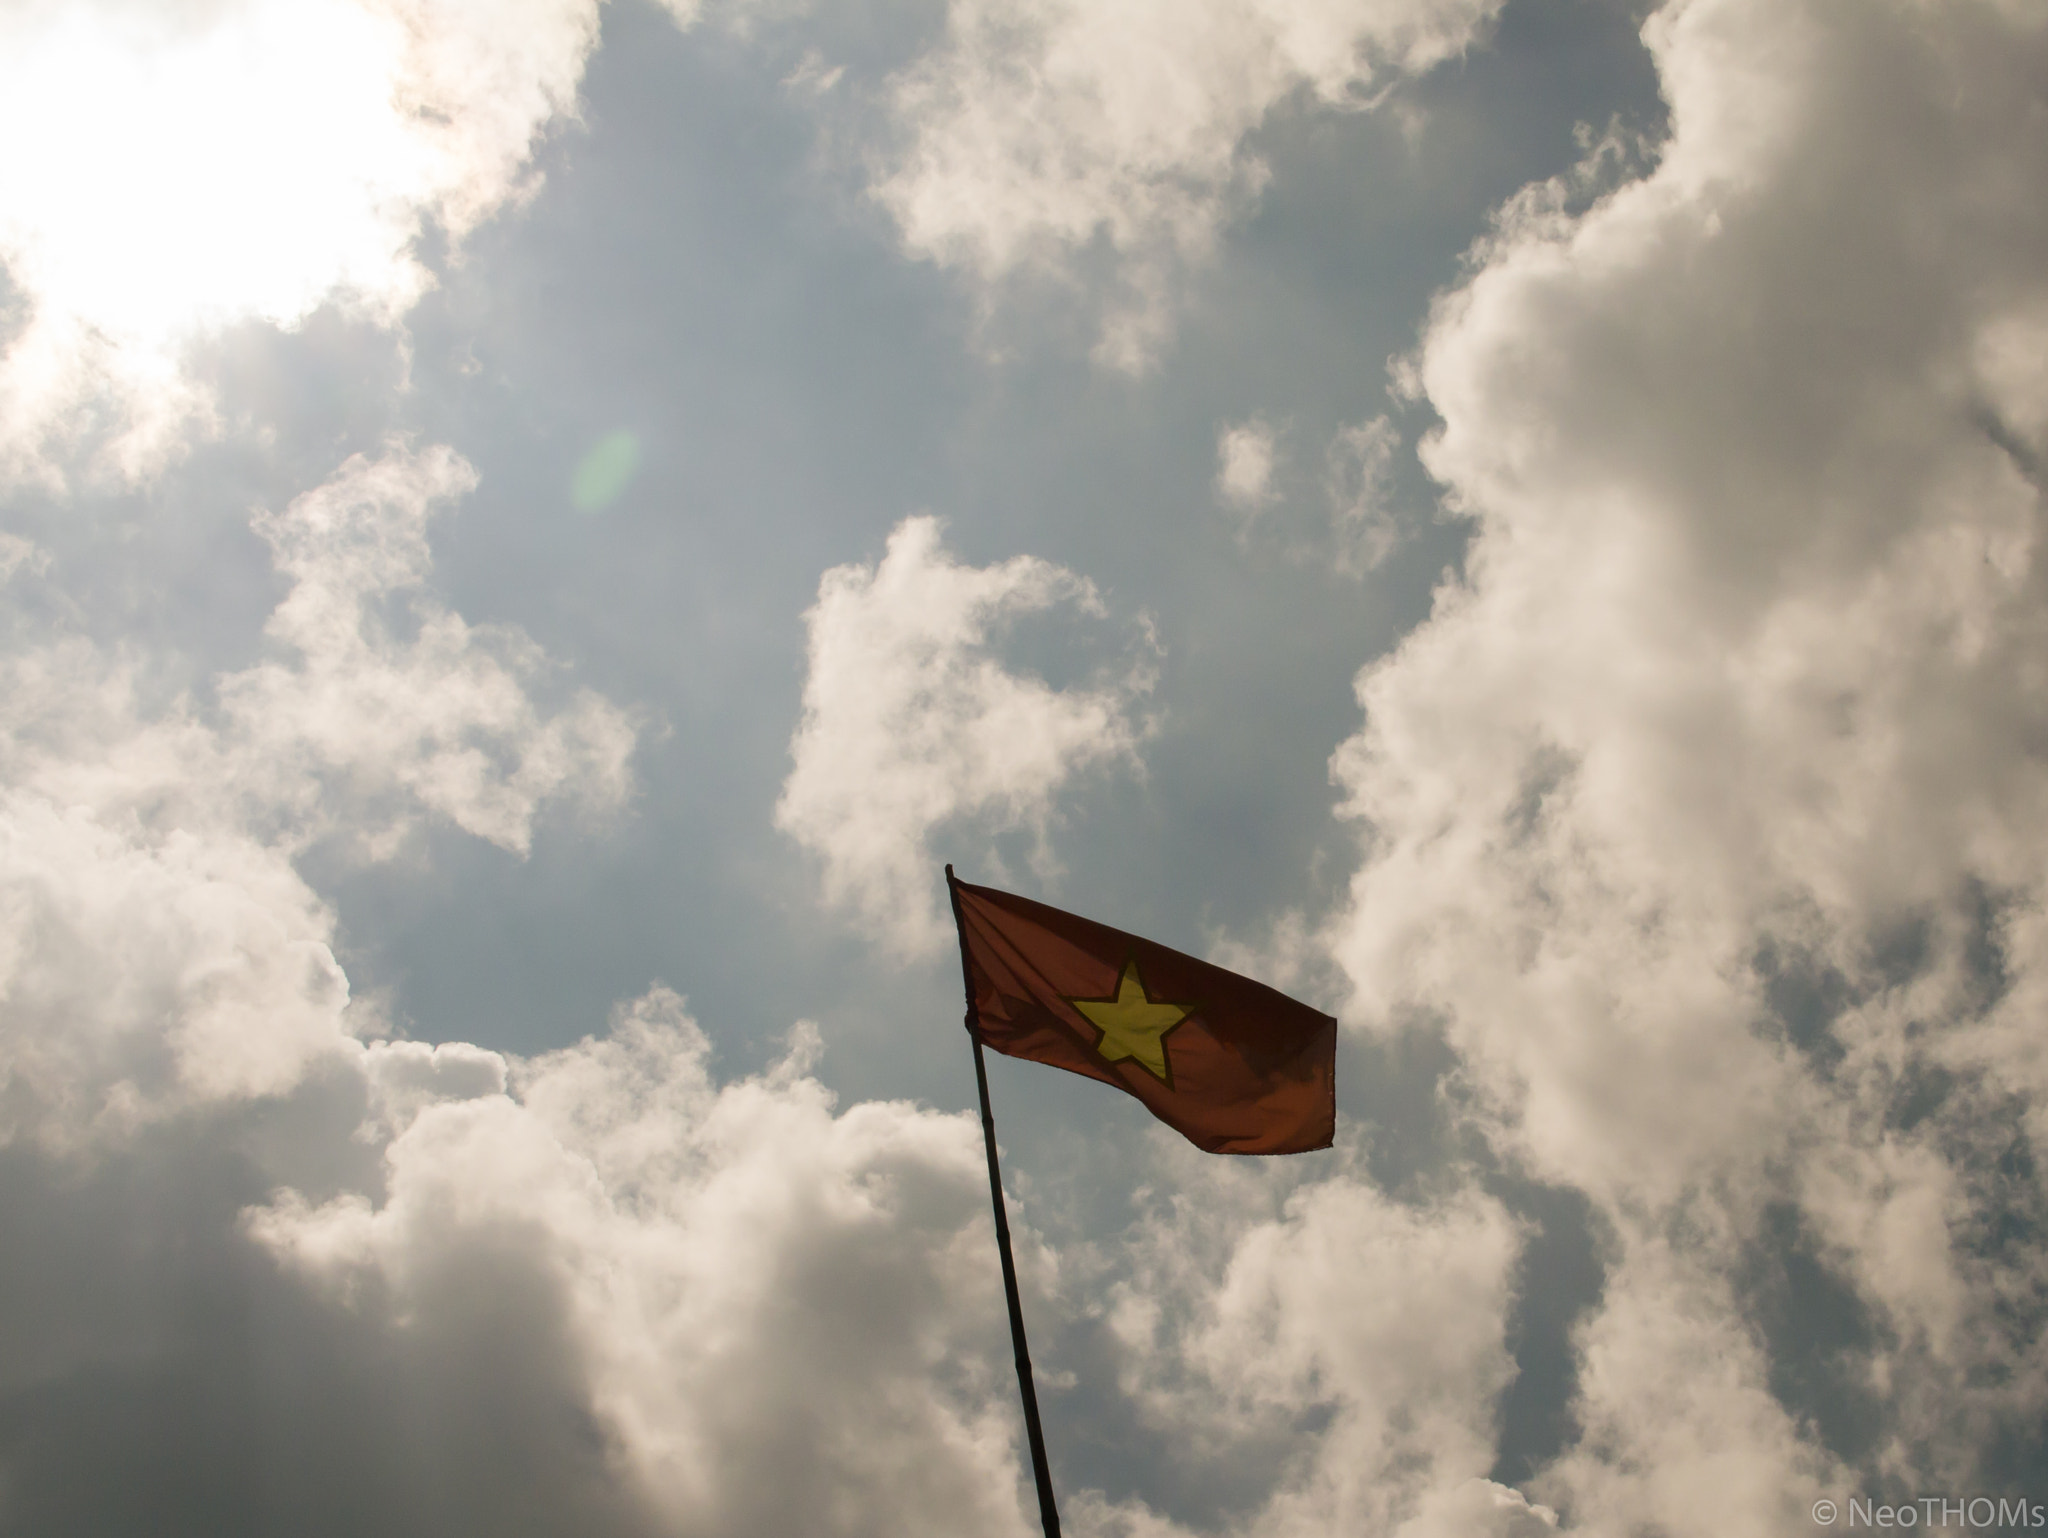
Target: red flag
1230	1064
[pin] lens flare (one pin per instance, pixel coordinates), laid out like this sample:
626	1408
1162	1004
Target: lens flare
605	472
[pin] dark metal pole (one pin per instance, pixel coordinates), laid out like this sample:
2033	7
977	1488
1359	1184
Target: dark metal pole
1048	1512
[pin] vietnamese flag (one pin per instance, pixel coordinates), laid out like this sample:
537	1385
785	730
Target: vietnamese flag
1230	1064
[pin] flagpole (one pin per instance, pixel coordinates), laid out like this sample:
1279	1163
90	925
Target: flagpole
1048	1512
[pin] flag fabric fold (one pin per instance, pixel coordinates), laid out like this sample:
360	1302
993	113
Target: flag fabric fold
1230	1064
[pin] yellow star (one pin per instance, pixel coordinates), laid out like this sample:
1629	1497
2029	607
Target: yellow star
1133	1024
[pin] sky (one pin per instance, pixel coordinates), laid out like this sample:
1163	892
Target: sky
532	531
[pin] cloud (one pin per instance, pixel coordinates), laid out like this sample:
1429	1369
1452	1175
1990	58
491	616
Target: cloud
1705	813
1245	457
163	949
591	1291
1386	1320
911	722
267	1260
1037	134
1354	526
441	720
771	1311
1704	819
172	168
1359	465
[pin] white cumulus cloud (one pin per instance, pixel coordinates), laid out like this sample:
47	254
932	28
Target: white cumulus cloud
771	1310
1388	1318
1037	132
443	718
911	721
1707	810
173	825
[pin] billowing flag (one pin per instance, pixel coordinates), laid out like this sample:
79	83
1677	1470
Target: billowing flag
1230	1064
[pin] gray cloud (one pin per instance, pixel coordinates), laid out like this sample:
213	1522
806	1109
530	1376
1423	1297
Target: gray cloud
1348	522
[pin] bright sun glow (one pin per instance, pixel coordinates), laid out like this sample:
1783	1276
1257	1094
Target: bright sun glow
169	168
